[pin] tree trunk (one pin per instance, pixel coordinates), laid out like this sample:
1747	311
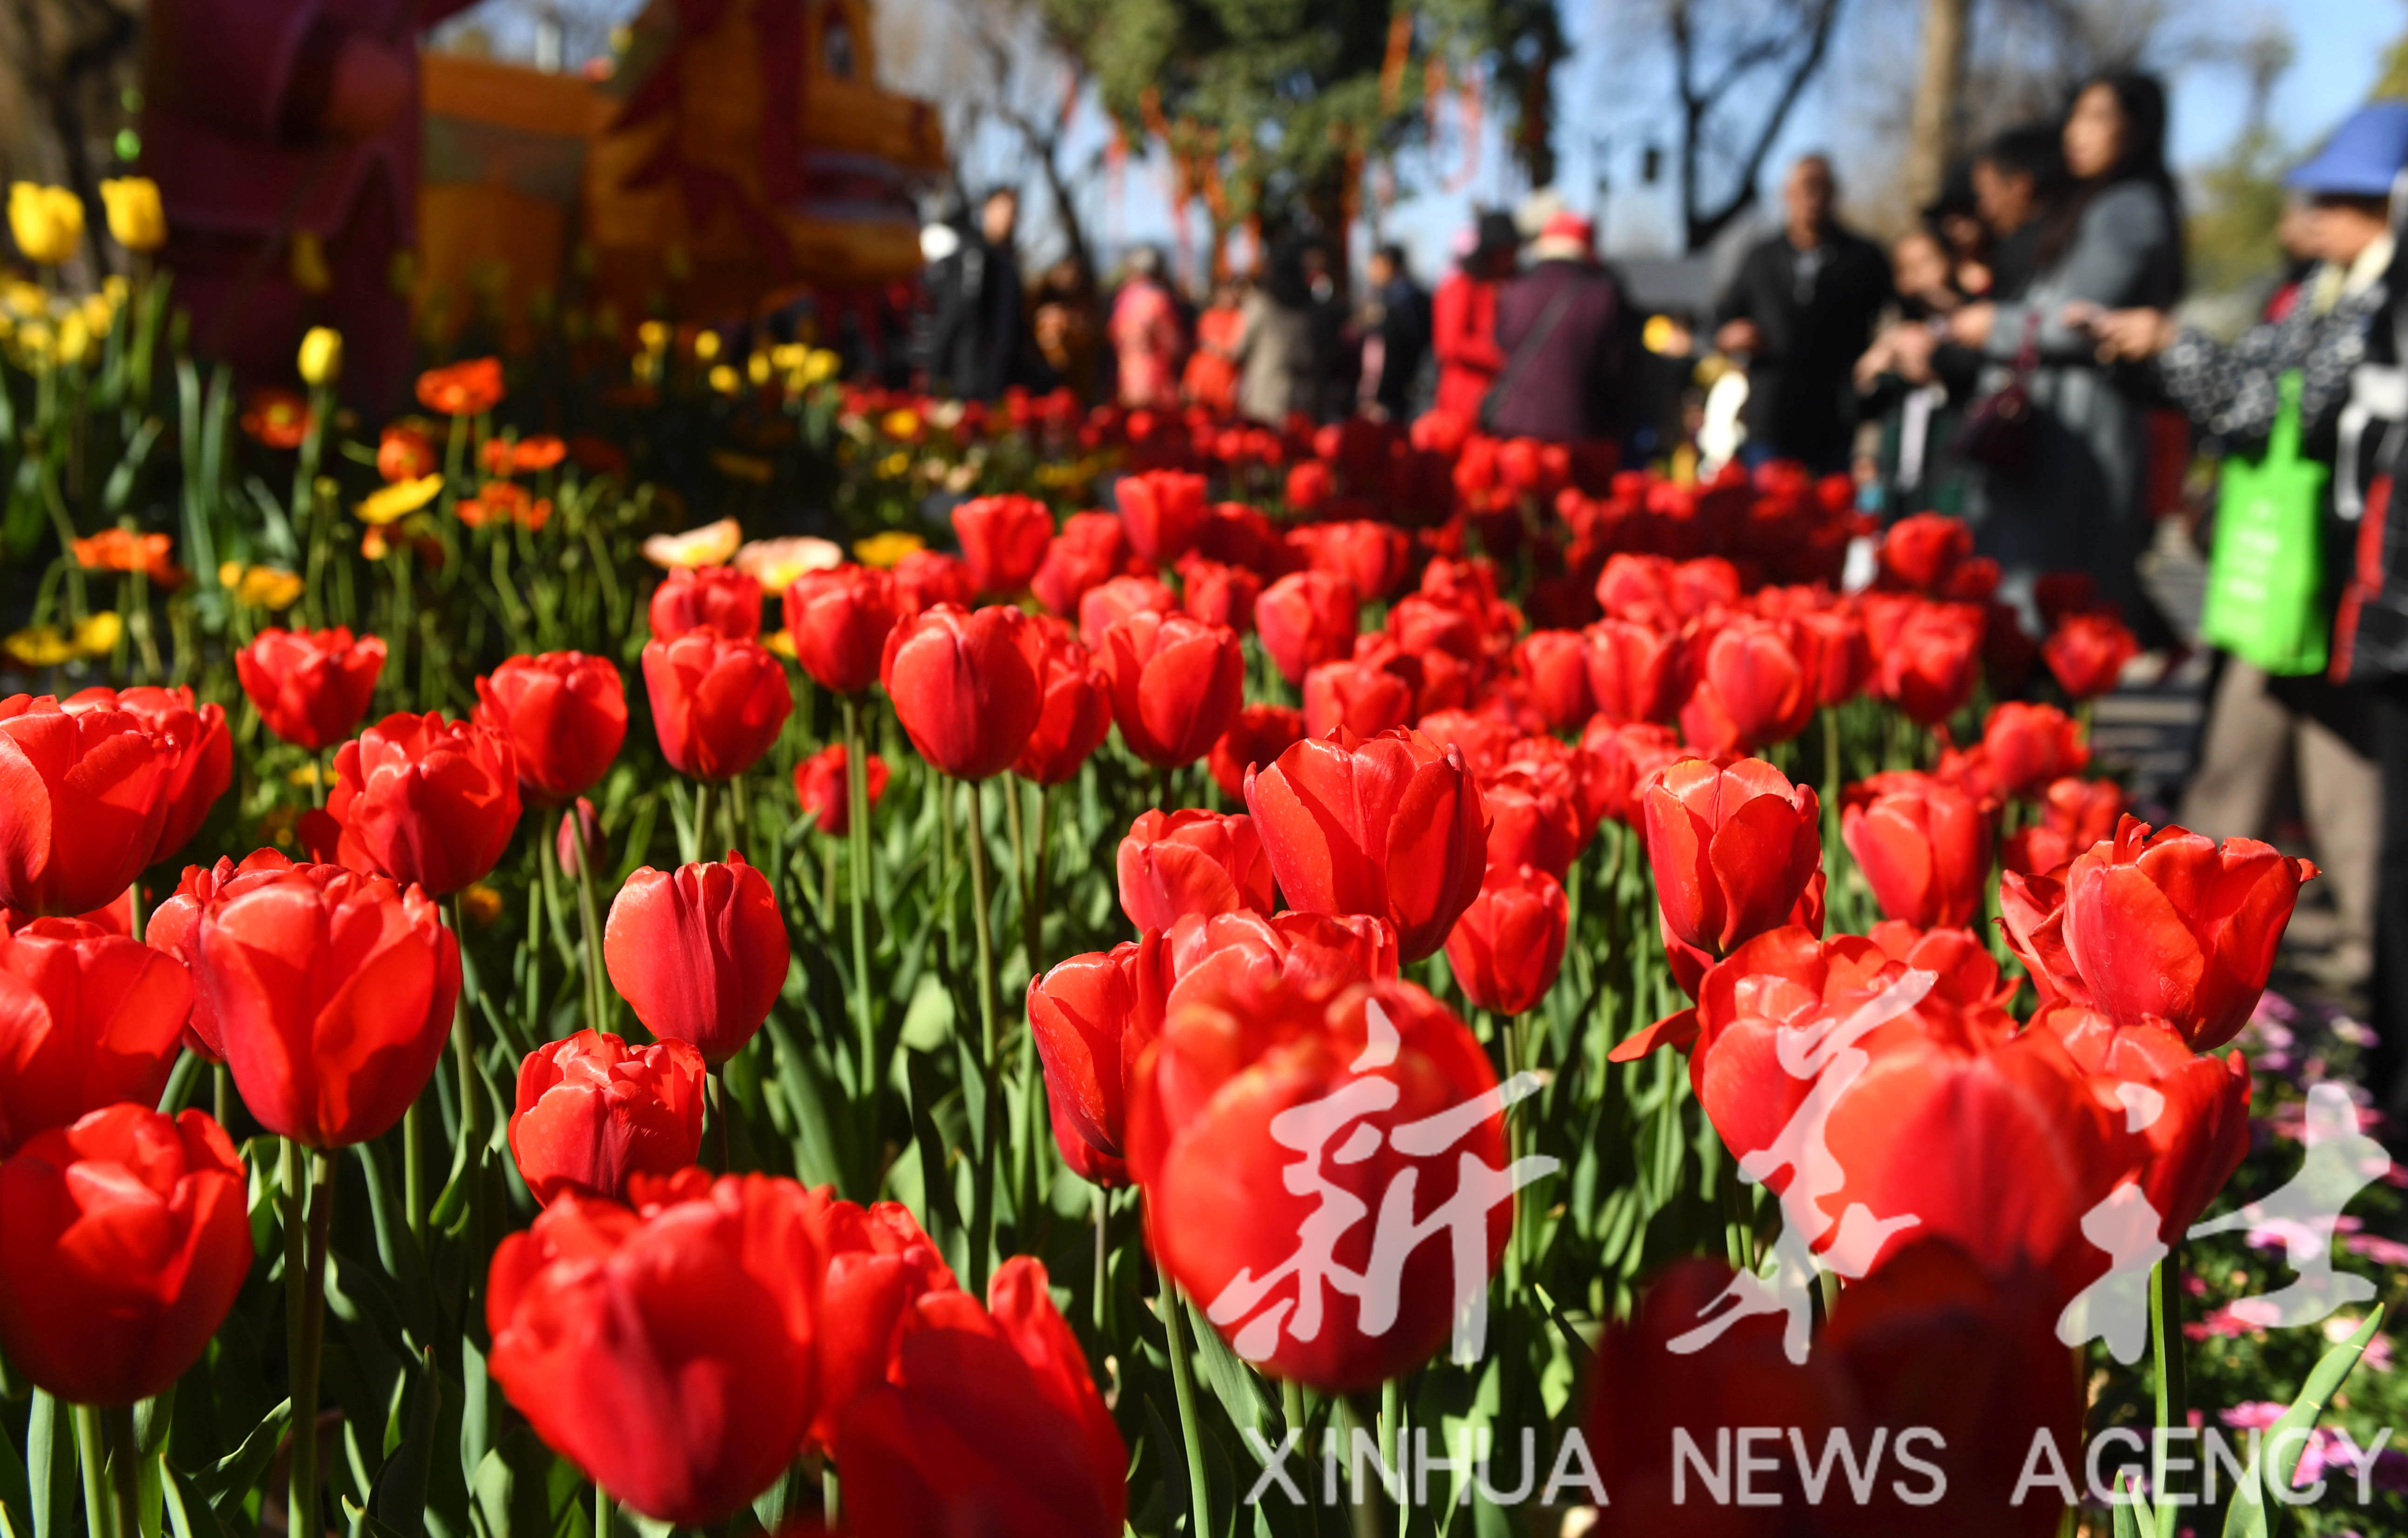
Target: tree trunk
1939	123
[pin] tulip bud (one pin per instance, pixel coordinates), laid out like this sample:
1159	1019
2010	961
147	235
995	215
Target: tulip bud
824	785
593	1111
1163	511
1074	713
1258	735
1191	862
1004	541
322	355
46	221
1732	849
1509	945
87	1018
563	714
1305	619
136	219
700	955
1923	846
717	702
1177	684
965	686
87	792
838	618
580	840
195	739
310	687
720	597
427	800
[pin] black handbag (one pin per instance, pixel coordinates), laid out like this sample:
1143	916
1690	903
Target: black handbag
1997	432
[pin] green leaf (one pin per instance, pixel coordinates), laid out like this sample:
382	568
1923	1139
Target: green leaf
1250	1403
189	1518
50	1466
234	1475
399	1498
2287	1439
16	1489
2135	1519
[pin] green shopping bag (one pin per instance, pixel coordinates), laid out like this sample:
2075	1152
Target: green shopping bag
2265	581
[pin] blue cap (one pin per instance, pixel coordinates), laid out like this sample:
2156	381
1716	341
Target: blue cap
2362	158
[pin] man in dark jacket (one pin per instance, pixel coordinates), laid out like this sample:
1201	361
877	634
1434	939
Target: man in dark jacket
1802	309
974	346
1560	328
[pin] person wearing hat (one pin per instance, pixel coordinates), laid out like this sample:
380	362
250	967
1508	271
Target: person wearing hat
1559	327
2315	728
1463	314
1801	311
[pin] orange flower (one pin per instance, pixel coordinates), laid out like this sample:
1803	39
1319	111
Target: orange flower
461	389
276	417
405	453
539	453
122	550
504	501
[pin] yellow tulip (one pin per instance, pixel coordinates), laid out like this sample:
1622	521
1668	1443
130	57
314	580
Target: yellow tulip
705	345
387	503
96	635
136	219
652	335
37	646
725	379
75	339
888	548
47	221
820	365
709	545
322	355
756	368
310	274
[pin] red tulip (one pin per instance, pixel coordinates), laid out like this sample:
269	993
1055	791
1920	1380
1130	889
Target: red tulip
175	927
1637	588
1239	535
1258	735
1924	845
926	578
1220	1203
427	800
1163	513
1359	696
1074	713
1230	953
990	1424
720	597
1369	557
1486	737
1003	541
1732	849
670	1356
579	841
127	1236
2167	924
83	795
593	1111
1532	821
1089	1016
2031	745
1177	684
1509	945
717	703
563	714
2195	1114
310	687
196	735
1554	665
700	955
87	1018
1928	664
1921	550
880	1264
966	686
1191	862
1621	757
1109	603
1219	595
838	618
1384	826
825	787
1629	670
1090	551
1753	688
1842	661
333	993
1305	619
2088	654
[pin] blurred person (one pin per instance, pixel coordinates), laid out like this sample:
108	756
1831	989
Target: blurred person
1560	326
1063	326
2015	178
1211	377
286	143
1336	362
2295	235
1147	337
2068	488
2262	729
1801	309
1395	334
975	340
1275	357
1463	314
1955	218
1911	389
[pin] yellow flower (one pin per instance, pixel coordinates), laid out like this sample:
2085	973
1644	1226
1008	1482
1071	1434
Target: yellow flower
322	355
709	545
705	345
96	635
652	335
895	464
387	503
47	221
310	274
725	379
819	365
756	368
900	423
75	339
261	586
888	548
37	646
780	641
482	902
137	220
22	298
775	563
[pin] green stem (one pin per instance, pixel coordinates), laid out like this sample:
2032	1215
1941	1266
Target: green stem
589	914
2165	1331
1036	882
413	1169
1103	1268
702	808
857	770
1182	1386
309	1188
1738	1220
124	1467
1392	1432
91	1453
1291	1407
990	1058
606	1514
1011	818
716	1085
221	1093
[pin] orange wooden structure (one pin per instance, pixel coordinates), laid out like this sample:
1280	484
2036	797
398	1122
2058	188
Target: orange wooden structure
739	153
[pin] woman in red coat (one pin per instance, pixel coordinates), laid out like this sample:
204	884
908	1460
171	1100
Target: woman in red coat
1463	318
